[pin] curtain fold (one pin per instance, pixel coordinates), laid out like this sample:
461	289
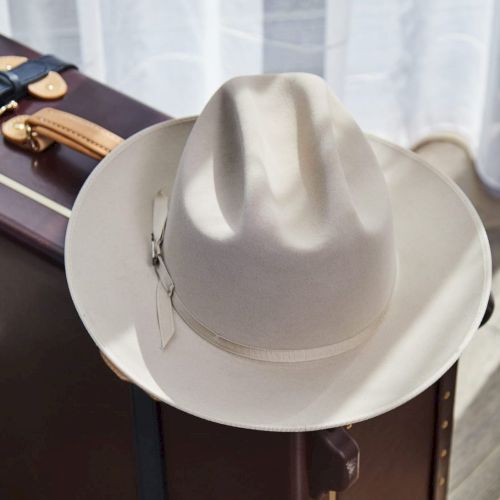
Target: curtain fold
405	68
488	156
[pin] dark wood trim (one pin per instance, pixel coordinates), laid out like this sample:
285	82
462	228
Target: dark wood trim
445	398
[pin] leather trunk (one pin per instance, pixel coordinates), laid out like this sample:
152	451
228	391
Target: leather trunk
70	429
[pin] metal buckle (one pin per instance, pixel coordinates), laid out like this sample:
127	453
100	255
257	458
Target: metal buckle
10	106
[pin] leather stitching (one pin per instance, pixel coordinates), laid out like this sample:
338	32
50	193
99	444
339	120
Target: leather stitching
68	116
73	132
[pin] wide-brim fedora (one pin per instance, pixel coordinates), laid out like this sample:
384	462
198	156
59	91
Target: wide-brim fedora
439	297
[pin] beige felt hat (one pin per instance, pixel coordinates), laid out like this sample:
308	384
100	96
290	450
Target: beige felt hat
267	265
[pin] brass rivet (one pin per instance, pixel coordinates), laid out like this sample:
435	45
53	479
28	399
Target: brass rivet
348	426
447	395
50	86
442	481
19	126
444	452
444	424
8	67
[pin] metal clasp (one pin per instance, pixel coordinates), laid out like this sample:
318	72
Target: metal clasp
10	106
31	134
155	250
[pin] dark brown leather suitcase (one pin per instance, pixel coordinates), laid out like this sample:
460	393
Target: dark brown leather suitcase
70	429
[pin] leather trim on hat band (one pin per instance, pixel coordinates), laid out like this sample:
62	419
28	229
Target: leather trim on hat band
167	300
274	355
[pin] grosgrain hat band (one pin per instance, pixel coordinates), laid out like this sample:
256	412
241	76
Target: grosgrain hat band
167	300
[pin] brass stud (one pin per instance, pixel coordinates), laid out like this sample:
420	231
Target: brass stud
444	424
444	452
348	427
447	395
8	67
50	86
442	481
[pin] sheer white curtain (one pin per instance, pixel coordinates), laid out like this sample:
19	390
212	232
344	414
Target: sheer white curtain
405	68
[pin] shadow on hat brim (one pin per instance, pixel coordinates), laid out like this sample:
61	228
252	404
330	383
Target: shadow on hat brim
444	280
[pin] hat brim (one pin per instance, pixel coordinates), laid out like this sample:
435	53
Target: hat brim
441	294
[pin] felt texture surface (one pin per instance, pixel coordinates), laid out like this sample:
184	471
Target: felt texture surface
441	291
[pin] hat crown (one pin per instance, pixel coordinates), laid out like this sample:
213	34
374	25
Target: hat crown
279	233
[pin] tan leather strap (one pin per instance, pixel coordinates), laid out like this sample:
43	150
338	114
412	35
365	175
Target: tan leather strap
49	125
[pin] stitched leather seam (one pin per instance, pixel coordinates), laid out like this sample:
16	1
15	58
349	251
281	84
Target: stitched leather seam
110	134
73	132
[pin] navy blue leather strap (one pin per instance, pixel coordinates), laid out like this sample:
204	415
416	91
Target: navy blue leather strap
149	451
13	83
